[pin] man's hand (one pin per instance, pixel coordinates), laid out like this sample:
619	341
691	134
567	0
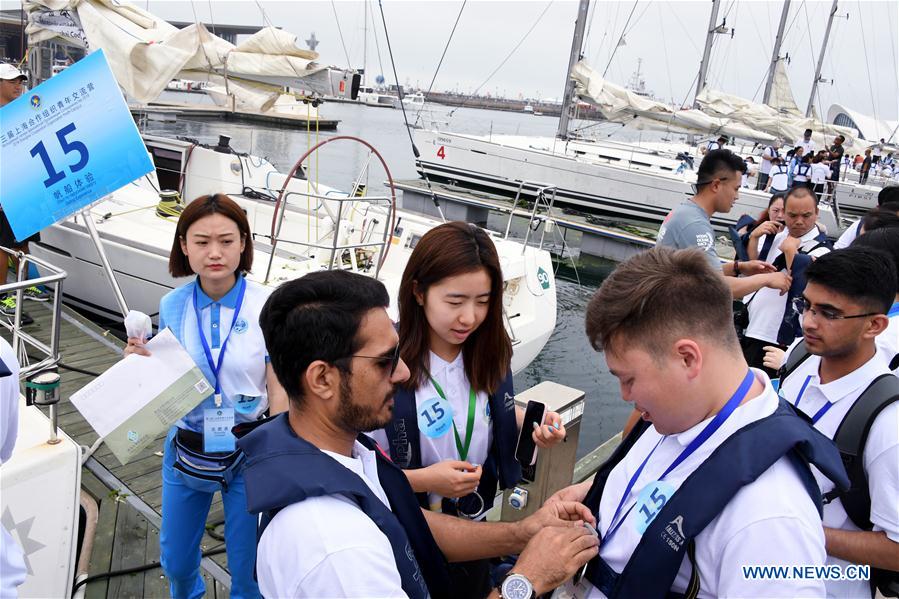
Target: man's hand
771	227
790	244
576	492
756	267
780	281
774	357
556	513
551	433
452	478
553	556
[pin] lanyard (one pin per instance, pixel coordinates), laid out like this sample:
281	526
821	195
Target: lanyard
894	310
469	426
216	367
695	444
820	412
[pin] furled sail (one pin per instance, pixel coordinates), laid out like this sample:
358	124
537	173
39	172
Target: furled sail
146	52
621	105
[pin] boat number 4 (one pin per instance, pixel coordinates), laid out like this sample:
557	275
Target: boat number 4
441	153
68	146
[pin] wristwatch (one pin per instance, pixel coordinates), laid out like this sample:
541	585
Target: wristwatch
516	586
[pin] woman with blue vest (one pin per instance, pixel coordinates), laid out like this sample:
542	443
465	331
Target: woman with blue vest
455	425
216	319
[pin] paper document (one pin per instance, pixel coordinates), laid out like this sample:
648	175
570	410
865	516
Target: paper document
137	399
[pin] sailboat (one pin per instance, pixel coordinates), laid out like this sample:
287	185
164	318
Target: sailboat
616	179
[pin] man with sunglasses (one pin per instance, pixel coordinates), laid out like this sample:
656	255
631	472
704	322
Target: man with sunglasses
718	182
844	308
338	518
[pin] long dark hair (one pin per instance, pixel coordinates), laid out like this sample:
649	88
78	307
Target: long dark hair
448	250
203	206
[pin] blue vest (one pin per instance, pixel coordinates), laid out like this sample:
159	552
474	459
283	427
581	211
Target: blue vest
803	171
789	325
501	469
738	461
282	468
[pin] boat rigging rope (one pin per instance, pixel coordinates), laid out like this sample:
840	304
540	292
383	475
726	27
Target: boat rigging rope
340	33
506	59
861	23
620	38
396	78
442	56
371	15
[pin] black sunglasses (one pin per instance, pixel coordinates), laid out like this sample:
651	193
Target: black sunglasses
392	360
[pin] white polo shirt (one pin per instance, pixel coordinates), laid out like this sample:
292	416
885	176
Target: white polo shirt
820	172
848	236
807	146
881	455
888	341
12	559
327	547
771	521
436	418
765	166
767	306
780	178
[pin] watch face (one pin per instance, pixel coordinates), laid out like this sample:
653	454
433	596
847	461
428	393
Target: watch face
517	587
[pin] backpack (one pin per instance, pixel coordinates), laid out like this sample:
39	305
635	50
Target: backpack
850	439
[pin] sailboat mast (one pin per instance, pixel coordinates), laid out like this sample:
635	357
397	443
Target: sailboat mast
707	52
577	44
365	42
769	85
811	98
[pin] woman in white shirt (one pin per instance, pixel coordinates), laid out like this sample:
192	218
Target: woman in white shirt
455	423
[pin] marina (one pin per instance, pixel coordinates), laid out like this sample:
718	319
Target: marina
327	184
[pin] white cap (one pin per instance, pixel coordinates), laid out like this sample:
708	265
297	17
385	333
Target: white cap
8	72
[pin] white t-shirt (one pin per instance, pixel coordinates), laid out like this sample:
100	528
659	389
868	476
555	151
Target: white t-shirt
808	147
848	236
881	455
765	166
327	547
436	436
771	521
767	306
820	172
12	561
780	178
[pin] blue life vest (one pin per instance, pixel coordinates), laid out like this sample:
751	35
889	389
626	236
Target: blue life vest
738	461
789	325
282	468
802	171
501	470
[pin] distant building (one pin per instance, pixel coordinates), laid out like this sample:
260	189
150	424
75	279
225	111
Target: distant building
868	127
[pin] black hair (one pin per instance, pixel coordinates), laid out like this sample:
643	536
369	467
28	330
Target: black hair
864	274
886	240
717	163
879	218
316	317
888	194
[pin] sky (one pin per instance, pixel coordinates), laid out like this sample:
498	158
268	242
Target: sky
668	36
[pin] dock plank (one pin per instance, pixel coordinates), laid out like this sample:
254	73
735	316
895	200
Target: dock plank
129	551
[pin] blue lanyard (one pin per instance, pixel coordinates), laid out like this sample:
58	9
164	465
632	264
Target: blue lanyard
894	310
695	444
217	367
823	409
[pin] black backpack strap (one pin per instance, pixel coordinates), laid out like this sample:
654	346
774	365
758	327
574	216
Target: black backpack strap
799	355
850	439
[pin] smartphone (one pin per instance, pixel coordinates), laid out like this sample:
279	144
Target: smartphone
526	449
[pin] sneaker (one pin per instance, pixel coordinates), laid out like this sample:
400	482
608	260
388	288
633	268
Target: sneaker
36	294
8	308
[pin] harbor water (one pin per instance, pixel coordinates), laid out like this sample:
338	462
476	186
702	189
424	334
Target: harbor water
567	358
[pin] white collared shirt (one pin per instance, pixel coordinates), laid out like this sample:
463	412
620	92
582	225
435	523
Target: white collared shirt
881	455
767	306
888	340
771	521
327	547
12	559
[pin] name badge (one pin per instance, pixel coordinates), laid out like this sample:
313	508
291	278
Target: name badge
217	424
650	502
435	417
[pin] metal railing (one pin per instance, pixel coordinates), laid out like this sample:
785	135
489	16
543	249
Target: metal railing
545	196
21	339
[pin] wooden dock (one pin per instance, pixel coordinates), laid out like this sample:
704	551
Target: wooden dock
129	497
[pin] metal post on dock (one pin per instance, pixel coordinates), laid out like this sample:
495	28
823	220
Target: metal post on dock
107	267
